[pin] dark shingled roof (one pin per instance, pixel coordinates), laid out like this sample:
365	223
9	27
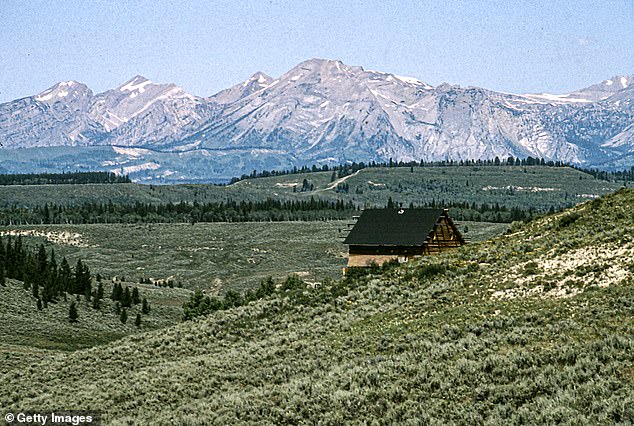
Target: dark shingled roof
397	227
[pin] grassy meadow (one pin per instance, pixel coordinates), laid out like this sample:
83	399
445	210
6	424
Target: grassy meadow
214	257
528	324
533	327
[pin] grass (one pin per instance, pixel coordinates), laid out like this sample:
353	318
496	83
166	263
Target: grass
440	341
27	333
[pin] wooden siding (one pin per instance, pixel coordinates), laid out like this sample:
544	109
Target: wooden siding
443	237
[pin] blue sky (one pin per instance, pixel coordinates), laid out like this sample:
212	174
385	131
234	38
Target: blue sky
519	46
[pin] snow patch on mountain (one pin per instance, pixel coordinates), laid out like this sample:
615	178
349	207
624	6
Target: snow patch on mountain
137	84
130	152
136	168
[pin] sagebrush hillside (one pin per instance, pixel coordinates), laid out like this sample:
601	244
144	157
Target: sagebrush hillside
534	327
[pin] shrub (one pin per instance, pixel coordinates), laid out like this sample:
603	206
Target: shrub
568	219
430	270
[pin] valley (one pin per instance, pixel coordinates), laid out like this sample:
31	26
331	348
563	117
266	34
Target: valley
530	327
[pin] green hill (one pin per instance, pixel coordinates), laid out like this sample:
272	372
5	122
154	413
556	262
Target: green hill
537	187
534	327
28	334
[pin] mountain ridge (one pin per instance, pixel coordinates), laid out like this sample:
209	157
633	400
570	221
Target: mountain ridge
323	112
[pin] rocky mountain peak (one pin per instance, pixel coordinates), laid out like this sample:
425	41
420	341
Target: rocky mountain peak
64	91
324	111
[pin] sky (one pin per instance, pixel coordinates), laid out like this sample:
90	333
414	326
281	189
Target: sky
521	46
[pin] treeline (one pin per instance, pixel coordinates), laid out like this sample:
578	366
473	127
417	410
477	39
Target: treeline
41	273
611	176
62	178
270	210
50	282
230	211
347	169
476	212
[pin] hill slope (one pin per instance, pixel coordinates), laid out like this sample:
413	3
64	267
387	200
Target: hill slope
531	328
536	187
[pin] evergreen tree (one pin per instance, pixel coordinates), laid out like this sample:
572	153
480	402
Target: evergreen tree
65	276
3	279
135	296
137	321
267	287
117	292
36	289
99	294
232	299
124	316
88	293
72	312
42	260
82	278
96	303
145	306
126	299
39	304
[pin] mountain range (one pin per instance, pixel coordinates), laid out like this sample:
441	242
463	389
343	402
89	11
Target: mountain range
319	112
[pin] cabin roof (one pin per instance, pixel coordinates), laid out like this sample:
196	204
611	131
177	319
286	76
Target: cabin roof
393	227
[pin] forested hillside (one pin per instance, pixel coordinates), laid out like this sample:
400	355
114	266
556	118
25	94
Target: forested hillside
475	192
533	327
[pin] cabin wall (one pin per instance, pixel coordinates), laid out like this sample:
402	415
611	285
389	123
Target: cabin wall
365	256
362	260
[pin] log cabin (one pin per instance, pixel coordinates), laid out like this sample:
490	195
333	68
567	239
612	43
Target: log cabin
381	235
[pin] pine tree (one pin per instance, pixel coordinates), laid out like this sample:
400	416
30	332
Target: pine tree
72	312
82	278
145	306
135	296
117	292
88	293
126	299
65	276
42	261
124	316
99	294
36	290
137	321
39	304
